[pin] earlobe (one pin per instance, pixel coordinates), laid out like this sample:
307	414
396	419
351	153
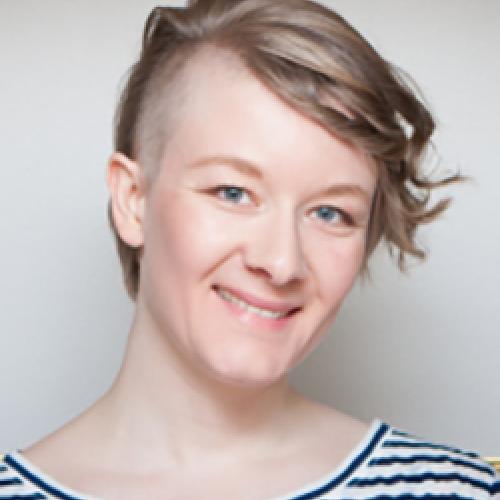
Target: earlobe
126	188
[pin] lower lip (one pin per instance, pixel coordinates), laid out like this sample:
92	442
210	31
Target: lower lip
252	319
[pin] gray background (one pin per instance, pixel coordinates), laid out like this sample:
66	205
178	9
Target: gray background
419	351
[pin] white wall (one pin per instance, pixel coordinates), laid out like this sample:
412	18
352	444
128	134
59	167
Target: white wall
421	351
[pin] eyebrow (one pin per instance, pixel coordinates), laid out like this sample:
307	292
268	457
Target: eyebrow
248	168
243	166
347	189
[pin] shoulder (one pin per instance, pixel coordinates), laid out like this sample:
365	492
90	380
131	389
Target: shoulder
407	466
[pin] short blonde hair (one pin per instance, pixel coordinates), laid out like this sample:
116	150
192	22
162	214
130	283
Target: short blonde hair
309	56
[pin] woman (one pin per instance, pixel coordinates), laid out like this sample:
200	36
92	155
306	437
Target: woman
263	149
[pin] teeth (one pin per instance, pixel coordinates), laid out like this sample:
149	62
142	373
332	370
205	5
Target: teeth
256	310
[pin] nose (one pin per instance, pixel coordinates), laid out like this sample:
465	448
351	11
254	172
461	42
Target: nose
274	247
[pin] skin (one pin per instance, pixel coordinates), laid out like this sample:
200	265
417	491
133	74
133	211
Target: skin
202	390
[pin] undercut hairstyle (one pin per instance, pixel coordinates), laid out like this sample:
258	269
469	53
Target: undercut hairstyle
319	65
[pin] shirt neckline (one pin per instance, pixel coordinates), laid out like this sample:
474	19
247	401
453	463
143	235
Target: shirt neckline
345	469
326	483
40	479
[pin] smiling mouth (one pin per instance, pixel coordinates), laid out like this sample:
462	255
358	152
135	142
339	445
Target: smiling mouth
263	313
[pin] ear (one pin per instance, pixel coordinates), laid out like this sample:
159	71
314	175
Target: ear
126	185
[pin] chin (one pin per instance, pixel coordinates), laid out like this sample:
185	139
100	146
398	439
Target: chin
257	375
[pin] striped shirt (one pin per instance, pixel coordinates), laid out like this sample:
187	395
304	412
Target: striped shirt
387	464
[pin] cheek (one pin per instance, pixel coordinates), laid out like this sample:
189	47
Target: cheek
337	265
179	252
185	237
175	238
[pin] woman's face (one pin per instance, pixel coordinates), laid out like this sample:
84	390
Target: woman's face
254	229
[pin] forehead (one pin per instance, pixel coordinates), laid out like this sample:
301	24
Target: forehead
227	111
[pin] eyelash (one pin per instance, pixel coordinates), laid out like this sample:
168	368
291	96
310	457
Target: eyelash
347	219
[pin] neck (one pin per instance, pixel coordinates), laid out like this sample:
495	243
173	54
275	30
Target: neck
161	403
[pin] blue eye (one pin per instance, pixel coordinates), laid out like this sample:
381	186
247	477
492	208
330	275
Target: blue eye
240	196
233	194
332	215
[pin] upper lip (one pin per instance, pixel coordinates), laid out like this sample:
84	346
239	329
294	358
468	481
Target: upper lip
261	303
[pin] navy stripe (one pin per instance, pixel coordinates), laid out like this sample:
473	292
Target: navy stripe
420	478
431	458
10	482
427	496
349	470
397	432
3	468
495	487
37	481
32	496
422	444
